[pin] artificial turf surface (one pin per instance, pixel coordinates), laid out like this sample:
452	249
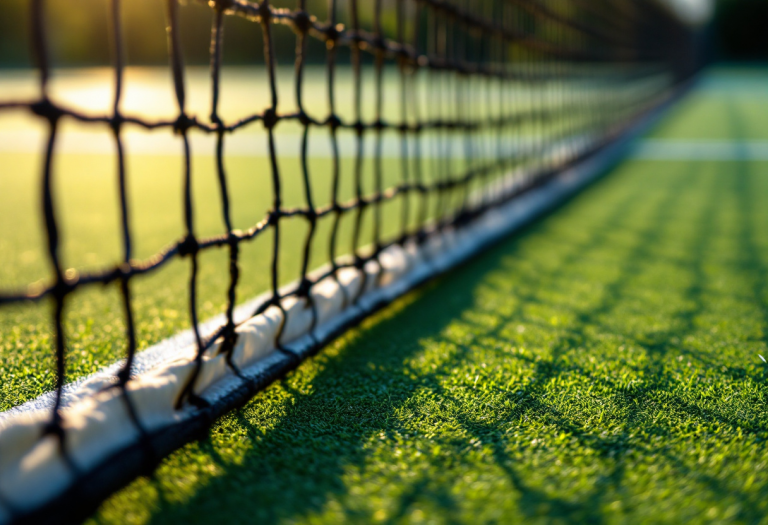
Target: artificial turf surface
86	206
601	366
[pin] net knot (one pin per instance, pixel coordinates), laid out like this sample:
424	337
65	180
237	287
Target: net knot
66	284
274	217
188	246
356	37
302	22
116	122
304	119
230	330
123	270
46	109
275	300
304	287
404	54
265	12
379	44
233	239
403	128
332	33
359	128
270	118
221	5
182	124
333	122
379	125
229	335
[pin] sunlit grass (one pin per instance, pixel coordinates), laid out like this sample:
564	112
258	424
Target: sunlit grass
601	367
86	200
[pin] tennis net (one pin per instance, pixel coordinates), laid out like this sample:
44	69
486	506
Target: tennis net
493	100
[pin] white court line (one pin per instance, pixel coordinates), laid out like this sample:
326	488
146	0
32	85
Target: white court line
165	350
289	145
47	472
243	144
101	430
701	150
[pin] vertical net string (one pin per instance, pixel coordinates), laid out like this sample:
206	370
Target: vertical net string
464	106
229	335
379	102
333	126
270	120
359	131
495	97
61	286
305	285
418	136
119	61
404	158
189	246
124	374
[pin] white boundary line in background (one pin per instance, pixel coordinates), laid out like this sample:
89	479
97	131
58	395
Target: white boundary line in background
701	150
289	145
99	431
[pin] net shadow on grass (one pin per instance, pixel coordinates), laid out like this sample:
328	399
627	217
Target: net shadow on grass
285	497
658	347
535	502
299	466
747	191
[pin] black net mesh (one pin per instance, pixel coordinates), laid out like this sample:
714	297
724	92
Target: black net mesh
488	92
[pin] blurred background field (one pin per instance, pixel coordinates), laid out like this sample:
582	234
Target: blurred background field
86	187
601	367
85	168
618	336
81	31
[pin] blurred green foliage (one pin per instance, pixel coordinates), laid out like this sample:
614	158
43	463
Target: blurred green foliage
79	33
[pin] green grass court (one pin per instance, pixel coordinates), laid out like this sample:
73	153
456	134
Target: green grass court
86	199
600	366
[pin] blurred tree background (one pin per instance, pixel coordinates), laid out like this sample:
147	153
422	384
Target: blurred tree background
79	32
741	29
